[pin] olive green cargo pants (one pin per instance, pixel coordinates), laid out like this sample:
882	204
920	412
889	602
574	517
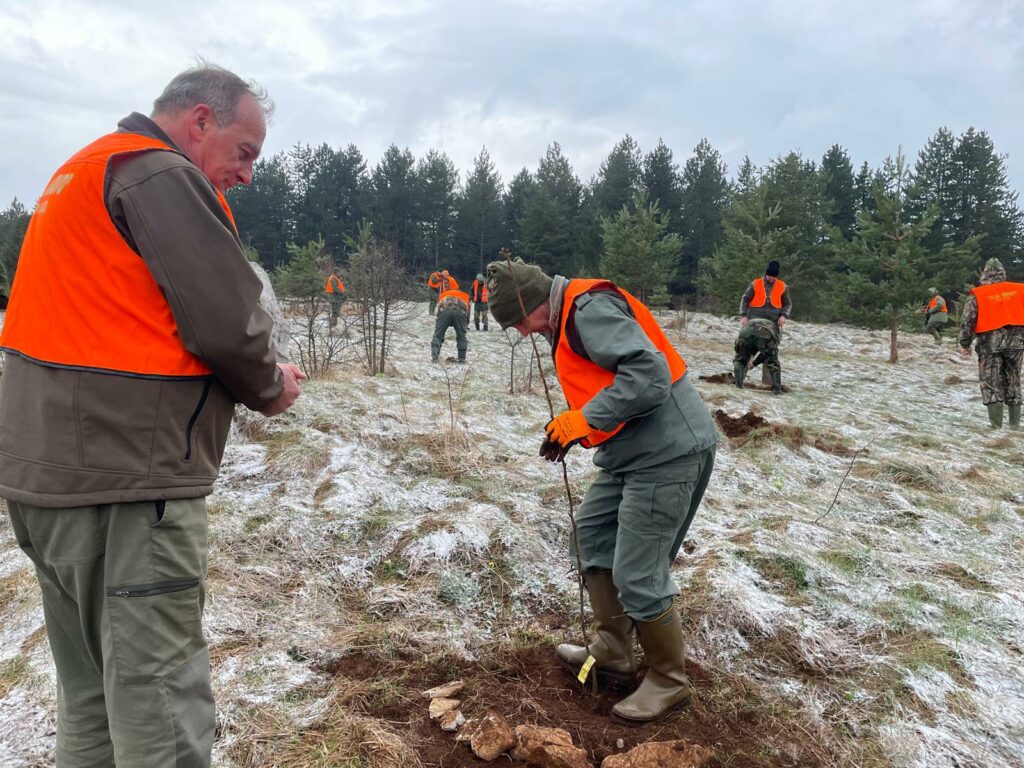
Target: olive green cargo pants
634	523
450	318
123	593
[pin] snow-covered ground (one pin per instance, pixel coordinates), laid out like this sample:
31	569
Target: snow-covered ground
361	517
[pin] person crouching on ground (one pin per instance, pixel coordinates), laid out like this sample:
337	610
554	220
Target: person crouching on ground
654	440
452	311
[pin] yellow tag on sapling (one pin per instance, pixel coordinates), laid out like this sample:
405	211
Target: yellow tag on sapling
585	669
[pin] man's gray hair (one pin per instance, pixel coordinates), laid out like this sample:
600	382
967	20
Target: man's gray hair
218	88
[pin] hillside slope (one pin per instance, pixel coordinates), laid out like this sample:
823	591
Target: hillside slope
391	533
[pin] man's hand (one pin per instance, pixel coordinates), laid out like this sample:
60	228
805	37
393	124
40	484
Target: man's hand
782	321
744	320
965	351
567	429
292	376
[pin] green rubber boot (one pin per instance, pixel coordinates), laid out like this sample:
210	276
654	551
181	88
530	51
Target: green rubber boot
665	686
1014	416
612	648
739	372
995	414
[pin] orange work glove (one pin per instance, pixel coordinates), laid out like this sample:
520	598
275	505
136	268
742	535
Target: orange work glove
568	428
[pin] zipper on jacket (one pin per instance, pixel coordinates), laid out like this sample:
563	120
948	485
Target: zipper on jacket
195	417
150	590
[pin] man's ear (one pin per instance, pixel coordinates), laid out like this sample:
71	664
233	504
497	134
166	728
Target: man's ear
200	119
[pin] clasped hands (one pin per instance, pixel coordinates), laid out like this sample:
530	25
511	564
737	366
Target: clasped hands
563	432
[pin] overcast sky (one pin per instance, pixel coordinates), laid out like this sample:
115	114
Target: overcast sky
756	78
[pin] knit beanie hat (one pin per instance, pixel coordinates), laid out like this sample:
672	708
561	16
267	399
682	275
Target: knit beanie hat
503	280
772	270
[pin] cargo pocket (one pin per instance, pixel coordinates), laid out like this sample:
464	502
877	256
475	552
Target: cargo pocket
155	628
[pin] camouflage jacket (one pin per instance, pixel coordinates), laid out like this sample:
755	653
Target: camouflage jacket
1008	337
455	303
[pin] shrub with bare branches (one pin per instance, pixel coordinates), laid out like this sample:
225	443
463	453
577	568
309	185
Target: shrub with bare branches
378	285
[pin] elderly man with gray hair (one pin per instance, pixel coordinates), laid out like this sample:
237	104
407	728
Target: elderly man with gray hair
120	384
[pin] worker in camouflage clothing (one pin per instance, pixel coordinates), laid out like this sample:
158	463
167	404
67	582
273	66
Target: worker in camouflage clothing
766	299
631	400
993	316
452	311
759	337
936	315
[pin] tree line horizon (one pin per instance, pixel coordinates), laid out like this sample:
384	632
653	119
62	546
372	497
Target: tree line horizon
853	242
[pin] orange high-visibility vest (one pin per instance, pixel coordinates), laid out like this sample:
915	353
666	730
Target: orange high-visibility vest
448	283
999	305
478	294
434	281
582	379
462	296
82	298
334	283
760	295
935	302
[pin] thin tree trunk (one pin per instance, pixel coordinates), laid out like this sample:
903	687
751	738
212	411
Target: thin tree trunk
894	337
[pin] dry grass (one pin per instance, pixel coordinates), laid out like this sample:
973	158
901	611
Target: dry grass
451	454
906	473
13	672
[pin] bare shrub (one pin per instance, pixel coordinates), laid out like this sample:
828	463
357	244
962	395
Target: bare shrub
319	346
379	284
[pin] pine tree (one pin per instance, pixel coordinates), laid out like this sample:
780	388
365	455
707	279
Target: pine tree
330	193
934	186
704	198
437	186
660	181
13	225
514	203
748	176
751	239
394	207
639	253
551	219
985	207
888	258
808	257
840	190
480	220
618	179
262	210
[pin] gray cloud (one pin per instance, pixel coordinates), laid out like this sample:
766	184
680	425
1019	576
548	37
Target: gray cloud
754	78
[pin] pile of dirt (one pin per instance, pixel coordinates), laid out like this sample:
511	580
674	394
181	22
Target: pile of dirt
750	427
953	379
730	379
719	378
528	686
736	427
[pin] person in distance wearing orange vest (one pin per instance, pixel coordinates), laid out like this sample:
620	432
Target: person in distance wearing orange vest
448	283
434	284
630	399
452	312
766	299
936	315
120	384
335	290
479	301
993	317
